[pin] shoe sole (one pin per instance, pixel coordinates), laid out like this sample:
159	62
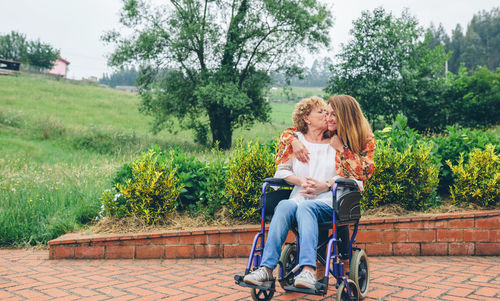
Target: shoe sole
305	285
259	283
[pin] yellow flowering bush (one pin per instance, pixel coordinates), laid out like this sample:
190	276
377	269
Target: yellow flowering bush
249	165
153	190
477	181
407	178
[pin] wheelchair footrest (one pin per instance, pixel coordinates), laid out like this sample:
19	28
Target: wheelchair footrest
304	290
268	285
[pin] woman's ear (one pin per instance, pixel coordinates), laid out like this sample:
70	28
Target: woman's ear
306	120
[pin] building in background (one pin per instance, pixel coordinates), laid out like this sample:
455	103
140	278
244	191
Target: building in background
8	67
60	67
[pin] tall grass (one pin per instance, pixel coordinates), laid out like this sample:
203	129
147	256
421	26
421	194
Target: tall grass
46	191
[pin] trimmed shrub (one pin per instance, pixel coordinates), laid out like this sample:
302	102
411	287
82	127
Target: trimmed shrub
399	134
249	165
217	170
407	178
154	188
453	143
192	174
477	181
114	204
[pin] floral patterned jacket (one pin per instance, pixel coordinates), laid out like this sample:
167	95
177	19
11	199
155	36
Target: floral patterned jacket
348	164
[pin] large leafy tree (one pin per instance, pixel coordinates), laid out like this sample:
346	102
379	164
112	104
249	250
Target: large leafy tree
206	63
475	97
390	69
15	46
41	55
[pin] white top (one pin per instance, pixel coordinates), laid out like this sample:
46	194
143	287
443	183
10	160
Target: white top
321	166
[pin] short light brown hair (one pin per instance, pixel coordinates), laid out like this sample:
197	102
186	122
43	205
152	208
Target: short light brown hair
304	108
352	125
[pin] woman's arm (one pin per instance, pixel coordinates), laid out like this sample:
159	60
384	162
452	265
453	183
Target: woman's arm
285	171
356	166
289	145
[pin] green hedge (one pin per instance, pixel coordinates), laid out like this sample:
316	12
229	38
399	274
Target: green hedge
478	180
407	178
408	169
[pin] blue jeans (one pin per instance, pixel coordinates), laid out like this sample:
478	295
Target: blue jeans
307	213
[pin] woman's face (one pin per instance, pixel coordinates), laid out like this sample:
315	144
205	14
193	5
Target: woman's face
331	119
317	119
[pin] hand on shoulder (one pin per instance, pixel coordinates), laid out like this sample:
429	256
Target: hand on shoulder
336	143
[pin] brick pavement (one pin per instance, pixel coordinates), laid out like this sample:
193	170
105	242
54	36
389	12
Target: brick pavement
28	274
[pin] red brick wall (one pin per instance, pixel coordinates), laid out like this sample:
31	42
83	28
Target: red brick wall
474	233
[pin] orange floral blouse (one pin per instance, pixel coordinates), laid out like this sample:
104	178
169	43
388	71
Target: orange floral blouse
348	164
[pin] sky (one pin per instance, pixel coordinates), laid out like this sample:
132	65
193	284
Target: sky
75	26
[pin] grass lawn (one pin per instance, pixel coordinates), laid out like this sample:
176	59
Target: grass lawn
60	143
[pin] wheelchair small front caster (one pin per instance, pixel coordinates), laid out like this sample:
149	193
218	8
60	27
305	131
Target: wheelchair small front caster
343	295
259	294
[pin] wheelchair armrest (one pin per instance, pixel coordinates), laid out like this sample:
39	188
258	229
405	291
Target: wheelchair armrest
347	183
276	181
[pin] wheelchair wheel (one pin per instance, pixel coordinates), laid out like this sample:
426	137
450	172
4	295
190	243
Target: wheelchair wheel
289	260
342	294
359	272
258	295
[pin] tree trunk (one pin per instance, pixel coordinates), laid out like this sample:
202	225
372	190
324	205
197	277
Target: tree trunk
220	125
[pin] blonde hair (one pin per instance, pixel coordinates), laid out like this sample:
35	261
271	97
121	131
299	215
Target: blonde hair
304	108
352	125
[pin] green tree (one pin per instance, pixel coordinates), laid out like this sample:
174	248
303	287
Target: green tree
389	67
438	36
219	55
15	46
475	97
479	45
122	77
456	46
41	55
482	40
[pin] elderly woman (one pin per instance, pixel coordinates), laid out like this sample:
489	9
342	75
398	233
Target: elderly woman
310	201
354	144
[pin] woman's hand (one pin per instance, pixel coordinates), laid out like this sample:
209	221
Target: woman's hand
336	143
311	188
300	151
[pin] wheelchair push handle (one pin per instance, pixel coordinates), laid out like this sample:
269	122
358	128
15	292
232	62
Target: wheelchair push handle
276	182
345	182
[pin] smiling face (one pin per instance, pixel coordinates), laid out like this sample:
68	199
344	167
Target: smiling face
331	118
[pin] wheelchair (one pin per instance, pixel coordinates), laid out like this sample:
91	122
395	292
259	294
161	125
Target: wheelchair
346	212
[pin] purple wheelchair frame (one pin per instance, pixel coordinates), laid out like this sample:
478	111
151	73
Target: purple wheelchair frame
338	267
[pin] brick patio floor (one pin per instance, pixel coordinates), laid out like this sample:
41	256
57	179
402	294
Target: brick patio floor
28	274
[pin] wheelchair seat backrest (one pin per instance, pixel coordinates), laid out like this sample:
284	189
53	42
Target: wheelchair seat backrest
347	207
273	197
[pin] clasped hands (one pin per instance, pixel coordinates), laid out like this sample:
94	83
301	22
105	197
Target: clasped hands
311	187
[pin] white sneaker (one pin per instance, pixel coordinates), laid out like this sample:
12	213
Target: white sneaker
306	279
258	277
